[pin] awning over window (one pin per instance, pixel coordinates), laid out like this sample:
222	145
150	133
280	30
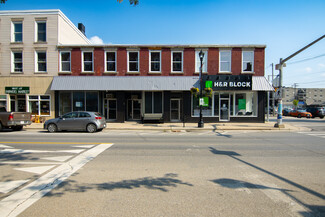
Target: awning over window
140	83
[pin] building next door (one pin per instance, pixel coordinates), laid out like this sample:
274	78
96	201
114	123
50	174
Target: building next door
224	105
110	109
134	109
175	111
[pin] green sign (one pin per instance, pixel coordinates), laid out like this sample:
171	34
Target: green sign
241	104
17	90
204	101
208	84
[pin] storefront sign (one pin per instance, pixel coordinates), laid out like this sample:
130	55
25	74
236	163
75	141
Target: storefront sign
204	101
228	82
241	104
17	90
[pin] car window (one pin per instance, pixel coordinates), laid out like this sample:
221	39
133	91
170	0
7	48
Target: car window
70	115
84	115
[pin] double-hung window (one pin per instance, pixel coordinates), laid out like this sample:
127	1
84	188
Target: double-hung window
177	61
17	61
198	61
225	61
133	61
110	61
17	31
65	57
248	61
155	59
41	61
41	31
87	61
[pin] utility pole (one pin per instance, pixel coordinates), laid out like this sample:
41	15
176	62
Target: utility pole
280	68
273	106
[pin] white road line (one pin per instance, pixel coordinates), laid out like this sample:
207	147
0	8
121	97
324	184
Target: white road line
5	146
16	203
6	187
27	162
59	158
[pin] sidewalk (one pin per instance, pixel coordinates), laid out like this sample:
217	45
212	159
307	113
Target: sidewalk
188	127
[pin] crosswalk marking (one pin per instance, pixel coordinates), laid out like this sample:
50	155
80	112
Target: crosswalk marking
6	187
37	170
316	134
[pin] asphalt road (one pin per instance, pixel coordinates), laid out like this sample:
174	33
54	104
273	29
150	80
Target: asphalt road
153	173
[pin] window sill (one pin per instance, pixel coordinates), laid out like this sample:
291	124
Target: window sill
177	73
133	73
248	72
154	73
40	42
65	73
16	73
226	73
40	73
90	72
16	43
110	73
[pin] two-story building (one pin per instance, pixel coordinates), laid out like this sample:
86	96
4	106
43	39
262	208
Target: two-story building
128	82
29	58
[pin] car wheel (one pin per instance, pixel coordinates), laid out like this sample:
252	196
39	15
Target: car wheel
322	117
299	116
0	126
91	128
52	128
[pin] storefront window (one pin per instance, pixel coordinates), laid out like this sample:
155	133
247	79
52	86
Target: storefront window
246	104
65	103
39	105
206	110
216	104
92	101
78	101
3	101
153	102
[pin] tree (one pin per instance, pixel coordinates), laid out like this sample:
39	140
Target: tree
2	1
132	2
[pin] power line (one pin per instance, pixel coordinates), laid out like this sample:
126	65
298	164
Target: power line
307	59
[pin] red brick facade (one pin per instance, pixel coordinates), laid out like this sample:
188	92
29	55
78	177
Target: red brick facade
166	62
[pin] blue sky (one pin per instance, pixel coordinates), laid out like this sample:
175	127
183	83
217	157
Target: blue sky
284	26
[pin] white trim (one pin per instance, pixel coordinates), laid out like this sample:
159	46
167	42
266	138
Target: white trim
221	51
37	21
128	61
182	62
13	22
39	100
242	62
150	70
60	61
83	64
13	61
105	60
37	71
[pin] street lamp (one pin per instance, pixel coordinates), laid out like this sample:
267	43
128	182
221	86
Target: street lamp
201	124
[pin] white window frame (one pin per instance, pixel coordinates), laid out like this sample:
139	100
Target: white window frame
220	62
138	61
243	62
39	100
83	61
13	61
172	62
13	32
37	61
36	31
106	61
198	61
61	70
151	61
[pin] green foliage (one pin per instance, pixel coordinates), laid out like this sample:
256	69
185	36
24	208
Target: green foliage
132	2
295	102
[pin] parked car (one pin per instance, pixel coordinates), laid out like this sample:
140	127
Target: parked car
316	112
300	113
286	112
14	120
77	121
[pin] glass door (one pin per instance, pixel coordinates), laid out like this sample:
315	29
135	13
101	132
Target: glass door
175	109
110	109
134	109
224	110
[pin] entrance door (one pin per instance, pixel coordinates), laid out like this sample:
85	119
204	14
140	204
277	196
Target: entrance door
224	110
110	109
134	109
175	109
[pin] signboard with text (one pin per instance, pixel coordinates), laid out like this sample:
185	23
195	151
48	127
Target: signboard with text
228	82
17	90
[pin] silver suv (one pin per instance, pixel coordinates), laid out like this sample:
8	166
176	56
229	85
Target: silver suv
77	121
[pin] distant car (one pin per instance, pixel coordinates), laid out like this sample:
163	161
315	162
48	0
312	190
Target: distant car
300	113
316	112
77	121
286	112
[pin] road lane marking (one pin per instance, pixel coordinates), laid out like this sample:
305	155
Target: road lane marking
37	170
27	162
22	151
59	158
5	146
54	143
6	187
16	203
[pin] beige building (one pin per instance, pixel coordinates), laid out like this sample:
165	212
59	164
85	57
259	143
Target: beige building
29	57
306	96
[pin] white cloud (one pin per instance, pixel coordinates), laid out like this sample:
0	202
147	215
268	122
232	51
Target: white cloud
308	69
322	65
96	40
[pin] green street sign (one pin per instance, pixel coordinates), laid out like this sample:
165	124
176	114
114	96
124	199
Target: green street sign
208	84
17	90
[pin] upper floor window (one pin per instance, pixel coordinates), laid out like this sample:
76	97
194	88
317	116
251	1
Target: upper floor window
133	61
248	61
17	31
225	61
41	31
198	61
87	61
110	61
177	61
155	61
41	61
65	61
17	61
